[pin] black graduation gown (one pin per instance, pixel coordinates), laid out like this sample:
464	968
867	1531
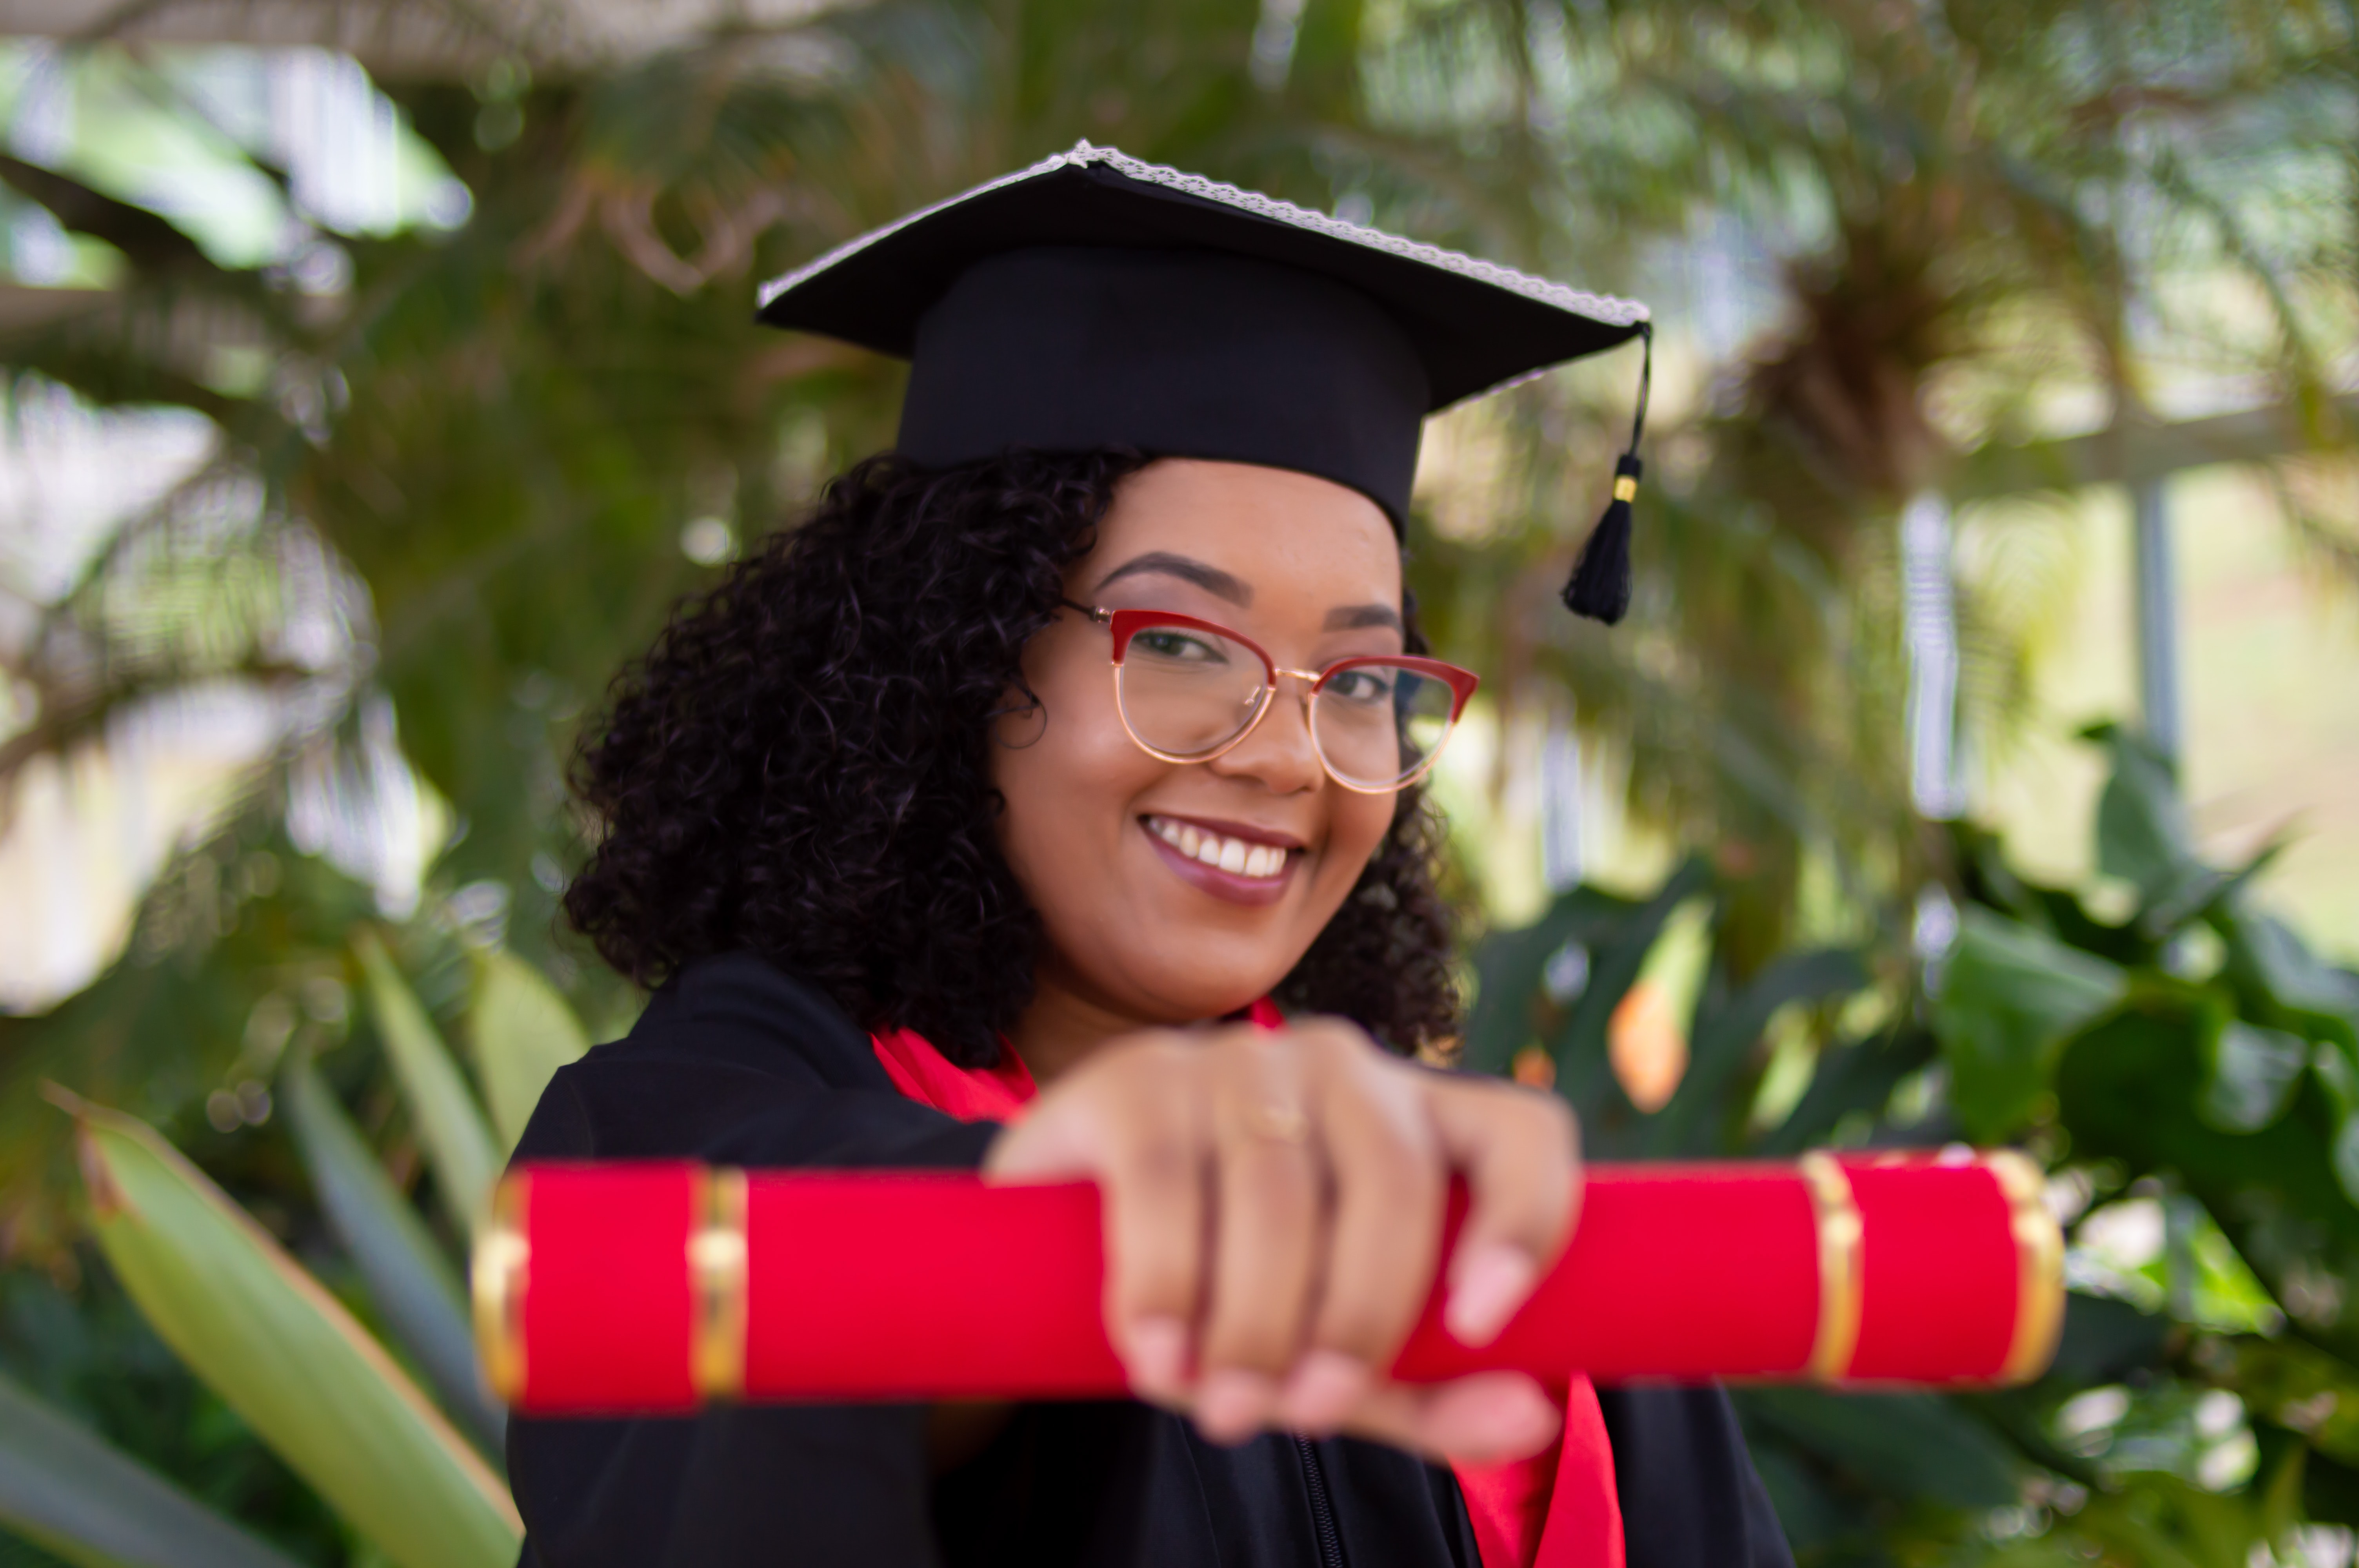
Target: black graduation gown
737	1064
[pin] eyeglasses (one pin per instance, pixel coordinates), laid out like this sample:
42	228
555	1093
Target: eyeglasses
1189	690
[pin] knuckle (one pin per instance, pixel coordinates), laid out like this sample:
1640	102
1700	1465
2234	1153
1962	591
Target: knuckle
1355	1328
1161	1160
1252	1341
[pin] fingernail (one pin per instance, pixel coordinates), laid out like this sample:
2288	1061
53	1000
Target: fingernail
1503	1418
1156	1355
1322	1390
1231	1405
1486	1290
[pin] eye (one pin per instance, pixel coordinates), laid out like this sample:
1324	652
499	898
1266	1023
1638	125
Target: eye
1170	643
1369	683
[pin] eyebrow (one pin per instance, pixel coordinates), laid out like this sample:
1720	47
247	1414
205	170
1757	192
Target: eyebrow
1212	579
1353	617
1223	585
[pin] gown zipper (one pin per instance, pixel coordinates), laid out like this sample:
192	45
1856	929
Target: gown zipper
1322	1508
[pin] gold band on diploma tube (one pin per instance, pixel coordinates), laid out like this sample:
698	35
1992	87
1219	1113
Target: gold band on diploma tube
497	1282
1840	1236
2040	1266
716	1261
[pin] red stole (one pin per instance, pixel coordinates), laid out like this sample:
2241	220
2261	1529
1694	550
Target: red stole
1555	1509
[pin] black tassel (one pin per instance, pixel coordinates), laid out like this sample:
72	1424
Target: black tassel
1600	588
1600	585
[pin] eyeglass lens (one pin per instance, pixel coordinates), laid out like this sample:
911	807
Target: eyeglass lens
1186	692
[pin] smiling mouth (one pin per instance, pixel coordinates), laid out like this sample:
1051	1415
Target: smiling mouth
1237	857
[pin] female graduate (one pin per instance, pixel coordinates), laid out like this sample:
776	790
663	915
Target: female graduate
1048	802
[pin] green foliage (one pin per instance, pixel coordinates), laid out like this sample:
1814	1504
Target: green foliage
2200	1404
291	1360
280	1349
93	1506
488	447
459	1146
521	1032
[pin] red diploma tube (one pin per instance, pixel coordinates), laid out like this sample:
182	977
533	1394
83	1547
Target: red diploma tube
651	1287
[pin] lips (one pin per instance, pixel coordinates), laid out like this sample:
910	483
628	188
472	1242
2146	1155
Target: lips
1235	862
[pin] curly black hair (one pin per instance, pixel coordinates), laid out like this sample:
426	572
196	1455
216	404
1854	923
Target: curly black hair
799	768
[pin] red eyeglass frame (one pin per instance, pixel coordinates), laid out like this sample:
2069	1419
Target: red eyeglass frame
1124	624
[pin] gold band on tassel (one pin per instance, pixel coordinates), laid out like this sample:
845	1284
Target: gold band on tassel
502	1265
1840	1236
716	1262
2039	1267
1625	488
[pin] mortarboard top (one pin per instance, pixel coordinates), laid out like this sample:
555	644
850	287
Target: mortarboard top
1092	300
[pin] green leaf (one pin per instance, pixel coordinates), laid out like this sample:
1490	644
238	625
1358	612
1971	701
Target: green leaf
2342	1083
1511	973
2010	998
458	1143
1856	1076
85	1500
2253	1076
2142	831
1915	1445
2130	1087
522	1031
2106	1340
1584	1074
414	1285
2292	985
285	1355
1725	1034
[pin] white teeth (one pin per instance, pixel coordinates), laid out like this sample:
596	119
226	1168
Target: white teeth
1232	855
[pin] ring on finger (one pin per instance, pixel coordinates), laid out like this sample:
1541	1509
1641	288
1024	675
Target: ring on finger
1276	1121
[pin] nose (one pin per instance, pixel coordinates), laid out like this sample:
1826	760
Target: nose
1278	753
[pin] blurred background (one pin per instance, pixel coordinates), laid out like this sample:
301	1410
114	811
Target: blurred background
1980	762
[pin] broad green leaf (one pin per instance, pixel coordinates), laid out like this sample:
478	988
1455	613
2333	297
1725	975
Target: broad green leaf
1583	1073
2131	1088
1511	970
87	1501
522	1031
2142	830
2010	998
2291	985
285	1355
414	1285
1724	1034
450	1126
2105	1340
1916	1445
2341	1083
2254	1072
1856	1076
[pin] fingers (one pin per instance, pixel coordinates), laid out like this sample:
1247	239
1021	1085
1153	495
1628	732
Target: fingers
1389	1188
1272	1202
1269	1188
1488	1418
1135	1126
1520	1152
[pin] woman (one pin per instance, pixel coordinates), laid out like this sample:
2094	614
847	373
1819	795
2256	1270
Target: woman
1046	803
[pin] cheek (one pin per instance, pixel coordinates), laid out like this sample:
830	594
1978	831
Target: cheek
1360	822
1068	785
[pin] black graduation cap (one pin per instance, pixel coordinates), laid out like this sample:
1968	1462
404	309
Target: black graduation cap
1092	300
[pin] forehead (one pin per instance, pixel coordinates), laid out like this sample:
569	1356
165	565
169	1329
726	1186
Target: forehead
1299	542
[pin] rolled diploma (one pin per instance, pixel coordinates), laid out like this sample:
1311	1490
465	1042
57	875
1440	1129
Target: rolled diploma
654	1287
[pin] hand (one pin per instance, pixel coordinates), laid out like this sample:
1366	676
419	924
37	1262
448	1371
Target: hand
1272	1204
